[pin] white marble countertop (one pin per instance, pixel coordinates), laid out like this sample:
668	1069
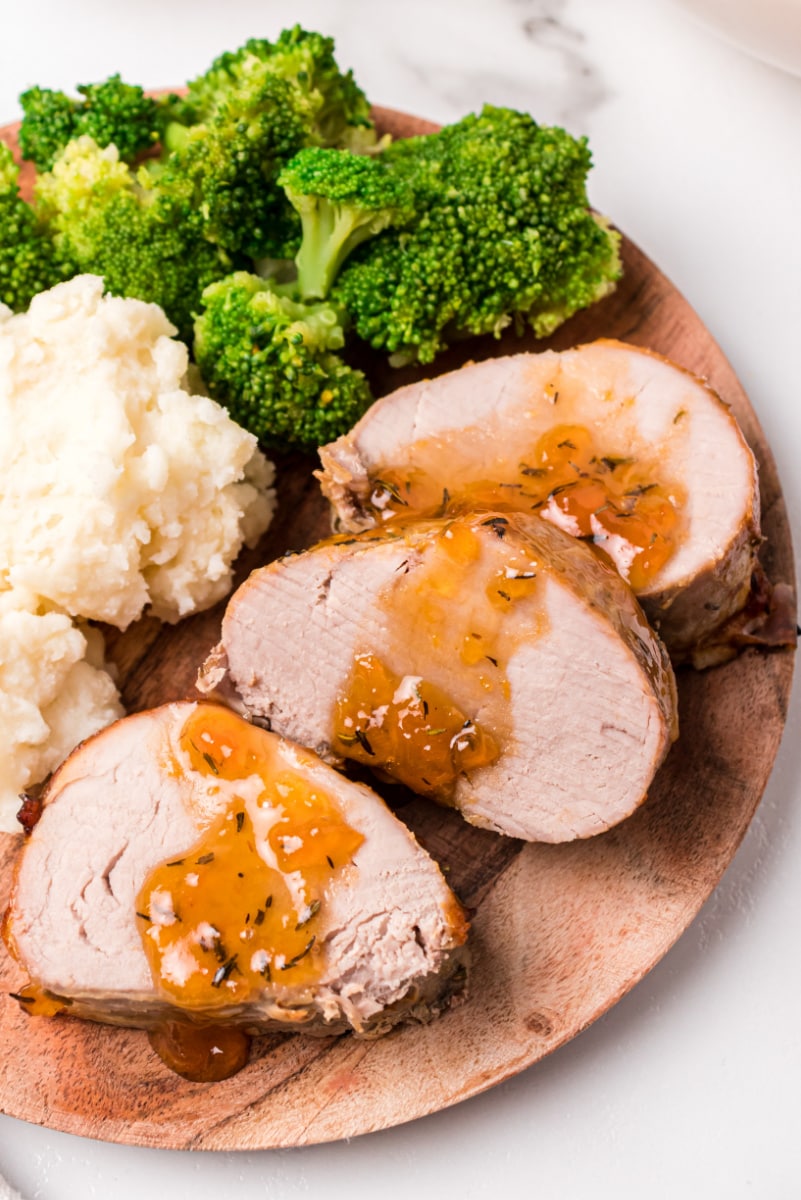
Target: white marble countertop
689	1086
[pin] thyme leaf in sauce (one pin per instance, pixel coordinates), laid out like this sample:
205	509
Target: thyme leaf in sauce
212	940
240	821
293	962
210	763
312	911
363	740
612	463
498	525
259	917
640	489
224	971
204	859
391	490
330	861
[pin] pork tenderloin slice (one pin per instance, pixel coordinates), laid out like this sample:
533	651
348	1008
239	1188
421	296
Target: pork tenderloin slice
566	677
390	935
645	416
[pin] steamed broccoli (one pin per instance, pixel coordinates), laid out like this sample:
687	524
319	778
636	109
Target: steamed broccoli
112	221
109	112
48	123
336	110
482	225
343	199
28	262
242	121
208	202
272	362
223	173
503	235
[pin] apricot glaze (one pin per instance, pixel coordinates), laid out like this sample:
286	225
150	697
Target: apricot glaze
615	503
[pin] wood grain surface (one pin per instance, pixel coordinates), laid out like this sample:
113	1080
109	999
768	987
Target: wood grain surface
560	933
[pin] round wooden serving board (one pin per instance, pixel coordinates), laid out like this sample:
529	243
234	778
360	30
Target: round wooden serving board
559	934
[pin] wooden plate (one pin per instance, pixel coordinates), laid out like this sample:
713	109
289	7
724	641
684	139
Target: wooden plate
560	932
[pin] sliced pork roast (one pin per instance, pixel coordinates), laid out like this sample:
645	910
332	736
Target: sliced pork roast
226	875
490	661
610	442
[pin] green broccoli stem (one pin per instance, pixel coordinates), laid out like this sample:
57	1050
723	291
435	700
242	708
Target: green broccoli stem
330	233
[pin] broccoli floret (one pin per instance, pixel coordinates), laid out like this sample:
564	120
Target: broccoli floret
223	173
109	112
336	110
210	202
407	292
47	125
273	363
28	262
121	113
343	199
242	121
504	234
109	220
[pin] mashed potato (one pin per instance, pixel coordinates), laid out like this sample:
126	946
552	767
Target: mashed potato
53	694
120	490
